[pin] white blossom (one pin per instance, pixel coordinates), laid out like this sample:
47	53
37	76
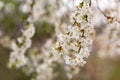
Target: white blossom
29	31
25	8
1	5
20	46
9	8
73	45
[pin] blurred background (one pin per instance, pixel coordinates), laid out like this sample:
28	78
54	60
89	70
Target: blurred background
101	65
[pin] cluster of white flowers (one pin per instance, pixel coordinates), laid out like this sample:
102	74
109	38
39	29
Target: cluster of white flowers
73	45
44	64
74	42
19	47
41	63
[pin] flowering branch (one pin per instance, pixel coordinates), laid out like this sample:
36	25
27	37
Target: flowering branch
19	47
73	46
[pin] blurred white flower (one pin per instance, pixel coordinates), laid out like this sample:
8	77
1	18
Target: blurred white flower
29	31
17	56
1	5
25	8
9	8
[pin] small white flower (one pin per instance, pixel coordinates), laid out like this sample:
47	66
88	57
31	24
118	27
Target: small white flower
29	31
14	45
25	8
1	5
